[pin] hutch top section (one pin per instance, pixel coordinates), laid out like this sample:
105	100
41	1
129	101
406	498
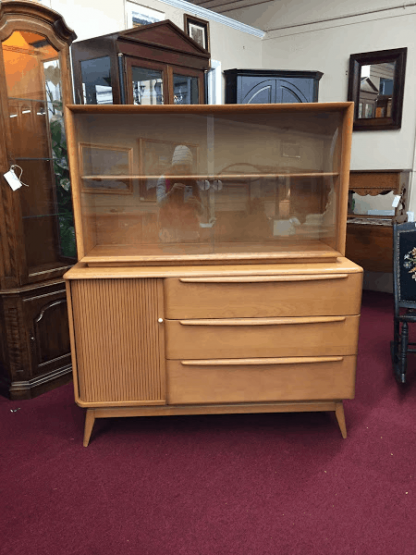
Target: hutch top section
180	184
156	63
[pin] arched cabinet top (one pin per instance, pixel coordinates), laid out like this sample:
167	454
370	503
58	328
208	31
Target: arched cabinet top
27	15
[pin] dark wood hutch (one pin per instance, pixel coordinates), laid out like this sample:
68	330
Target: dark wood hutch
37	239
152	64
370	238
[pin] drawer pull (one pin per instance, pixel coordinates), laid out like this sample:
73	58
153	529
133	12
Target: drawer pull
260	361
263	279
264	321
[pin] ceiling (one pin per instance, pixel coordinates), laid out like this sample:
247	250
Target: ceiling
227	6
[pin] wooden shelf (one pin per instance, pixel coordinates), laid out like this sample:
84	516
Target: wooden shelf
147	253
219	176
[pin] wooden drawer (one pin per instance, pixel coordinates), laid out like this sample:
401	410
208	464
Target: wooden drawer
263	296
262	337
260	380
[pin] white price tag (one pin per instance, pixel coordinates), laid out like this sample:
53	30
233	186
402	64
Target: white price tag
12	180
396	201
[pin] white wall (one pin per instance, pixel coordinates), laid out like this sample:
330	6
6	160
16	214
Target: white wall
92	18
292	42
328	50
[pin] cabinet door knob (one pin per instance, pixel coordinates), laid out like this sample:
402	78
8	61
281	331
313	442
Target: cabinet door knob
160	320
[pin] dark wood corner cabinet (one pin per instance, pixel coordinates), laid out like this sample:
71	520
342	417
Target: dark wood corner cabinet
266	86
37	238
149	65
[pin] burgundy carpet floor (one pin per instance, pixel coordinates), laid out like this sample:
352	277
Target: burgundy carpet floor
237	484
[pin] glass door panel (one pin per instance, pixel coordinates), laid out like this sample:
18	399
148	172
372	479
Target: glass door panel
185	89
96	81
38	147
147	86
213	181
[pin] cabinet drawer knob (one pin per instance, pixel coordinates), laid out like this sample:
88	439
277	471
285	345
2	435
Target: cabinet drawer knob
160	320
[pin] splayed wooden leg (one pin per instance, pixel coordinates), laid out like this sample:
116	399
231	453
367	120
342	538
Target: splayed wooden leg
339	413
89	424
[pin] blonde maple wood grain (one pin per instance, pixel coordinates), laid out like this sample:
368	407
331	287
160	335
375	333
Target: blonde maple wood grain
340	265
261	279
339	413
246	339
117	342
144	254
72	339
246	408
255	296
89	424
195	108
235	408
230	176
76	188
345	176
246	383
259	361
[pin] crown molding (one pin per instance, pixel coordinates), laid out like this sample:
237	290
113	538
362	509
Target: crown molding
203	13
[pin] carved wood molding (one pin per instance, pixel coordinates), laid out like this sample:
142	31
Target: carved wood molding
372	192
26	11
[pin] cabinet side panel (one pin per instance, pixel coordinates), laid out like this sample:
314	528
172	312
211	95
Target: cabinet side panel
117	341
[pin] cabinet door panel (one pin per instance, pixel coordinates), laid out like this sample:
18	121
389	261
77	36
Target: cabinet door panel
47	320
118	343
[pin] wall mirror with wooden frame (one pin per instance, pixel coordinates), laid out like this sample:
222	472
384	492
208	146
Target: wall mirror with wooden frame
376	85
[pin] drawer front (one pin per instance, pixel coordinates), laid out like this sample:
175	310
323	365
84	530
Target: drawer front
261	337
260	380
263	296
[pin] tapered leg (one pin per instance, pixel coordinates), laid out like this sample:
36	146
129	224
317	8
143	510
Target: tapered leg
339	413
403	352
395	344
89	424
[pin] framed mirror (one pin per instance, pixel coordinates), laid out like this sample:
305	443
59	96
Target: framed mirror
376	85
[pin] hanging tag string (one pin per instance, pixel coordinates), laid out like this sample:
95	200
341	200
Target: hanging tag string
21	173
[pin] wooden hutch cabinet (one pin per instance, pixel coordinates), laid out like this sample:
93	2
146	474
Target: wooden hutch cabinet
37	238
370	237
211	274
148	65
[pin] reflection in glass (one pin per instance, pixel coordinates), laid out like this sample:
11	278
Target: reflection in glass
100	163
96	81
185	89
147	86
39	147
215	182
376	90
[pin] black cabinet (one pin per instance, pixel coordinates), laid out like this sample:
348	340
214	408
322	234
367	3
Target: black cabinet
247	86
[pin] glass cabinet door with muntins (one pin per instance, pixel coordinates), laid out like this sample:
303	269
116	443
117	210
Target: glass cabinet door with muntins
200	183
37	233
38	150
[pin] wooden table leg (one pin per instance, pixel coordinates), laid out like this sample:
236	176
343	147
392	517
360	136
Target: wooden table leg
89	424
339	413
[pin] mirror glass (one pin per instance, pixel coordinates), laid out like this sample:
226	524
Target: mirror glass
376	86
376	90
